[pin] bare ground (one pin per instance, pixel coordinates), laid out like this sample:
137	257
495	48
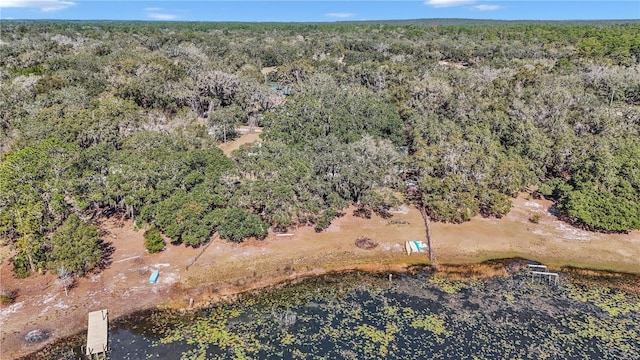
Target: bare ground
120	288
223	269
245	138
550	241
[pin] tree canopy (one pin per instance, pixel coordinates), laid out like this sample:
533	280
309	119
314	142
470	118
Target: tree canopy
76	246
119	117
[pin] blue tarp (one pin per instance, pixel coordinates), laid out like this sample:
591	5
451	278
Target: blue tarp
286	90
154	277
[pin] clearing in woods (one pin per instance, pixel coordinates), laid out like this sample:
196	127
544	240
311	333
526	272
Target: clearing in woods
247	136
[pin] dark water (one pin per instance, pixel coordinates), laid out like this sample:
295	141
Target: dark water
360	316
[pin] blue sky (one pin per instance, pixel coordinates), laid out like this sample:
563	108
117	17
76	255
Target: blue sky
304	10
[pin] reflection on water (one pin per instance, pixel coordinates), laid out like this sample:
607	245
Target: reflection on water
358	316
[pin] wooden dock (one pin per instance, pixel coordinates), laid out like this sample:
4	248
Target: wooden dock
540	271
97	334
550	276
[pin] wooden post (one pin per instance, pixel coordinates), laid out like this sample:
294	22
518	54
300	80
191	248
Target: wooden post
432	254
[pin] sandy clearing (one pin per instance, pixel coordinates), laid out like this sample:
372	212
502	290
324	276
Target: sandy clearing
121	288
550	240
243	139
268	69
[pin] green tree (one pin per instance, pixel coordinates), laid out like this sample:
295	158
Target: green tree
321	109
76	245
153	240
34	183
602	210
277	182
239	224
184	200
187	218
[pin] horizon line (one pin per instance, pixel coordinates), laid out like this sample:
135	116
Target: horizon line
325	22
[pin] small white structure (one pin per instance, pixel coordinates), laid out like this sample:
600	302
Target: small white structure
540	271
533	267
415	246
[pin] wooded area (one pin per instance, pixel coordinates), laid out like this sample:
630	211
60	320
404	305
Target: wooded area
99	118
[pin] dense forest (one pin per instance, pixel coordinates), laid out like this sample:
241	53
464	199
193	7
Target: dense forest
104	118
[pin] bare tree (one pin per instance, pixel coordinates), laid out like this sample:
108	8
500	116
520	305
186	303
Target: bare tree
65	279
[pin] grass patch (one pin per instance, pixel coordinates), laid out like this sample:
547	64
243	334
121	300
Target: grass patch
474	271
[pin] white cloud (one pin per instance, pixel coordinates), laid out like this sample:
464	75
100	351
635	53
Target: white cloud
448	3
43	5
485	7
157	16
340	15
152	9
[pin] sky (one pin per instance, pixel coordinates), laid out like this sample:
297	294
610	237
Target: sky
312	11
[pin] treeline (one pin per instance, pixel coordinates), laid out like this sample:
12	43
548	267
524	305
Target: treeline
98	118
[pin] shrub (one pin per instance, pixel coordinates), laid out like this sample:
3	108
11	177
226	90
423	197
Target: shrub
7	297
535	218
601	210
21	266
362	212
153	240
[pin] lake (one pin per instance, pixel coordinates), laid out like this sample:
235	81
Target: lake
413	316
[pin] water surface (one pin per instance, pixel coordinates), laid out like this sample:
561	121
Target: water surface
363	316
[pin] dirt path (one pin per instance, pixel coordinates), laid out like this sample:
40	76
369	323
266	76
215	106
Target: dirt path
226	268
246	137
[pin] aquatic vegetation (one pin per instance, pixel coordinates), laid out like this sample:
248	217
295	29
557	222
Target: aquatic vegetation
214	330
509	297
358	316
430	323
614	302
620	335
376	342
448	286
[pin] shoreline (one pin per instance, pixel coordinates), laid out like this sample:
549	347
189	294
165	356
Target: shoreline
468	271
225	270
177	303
